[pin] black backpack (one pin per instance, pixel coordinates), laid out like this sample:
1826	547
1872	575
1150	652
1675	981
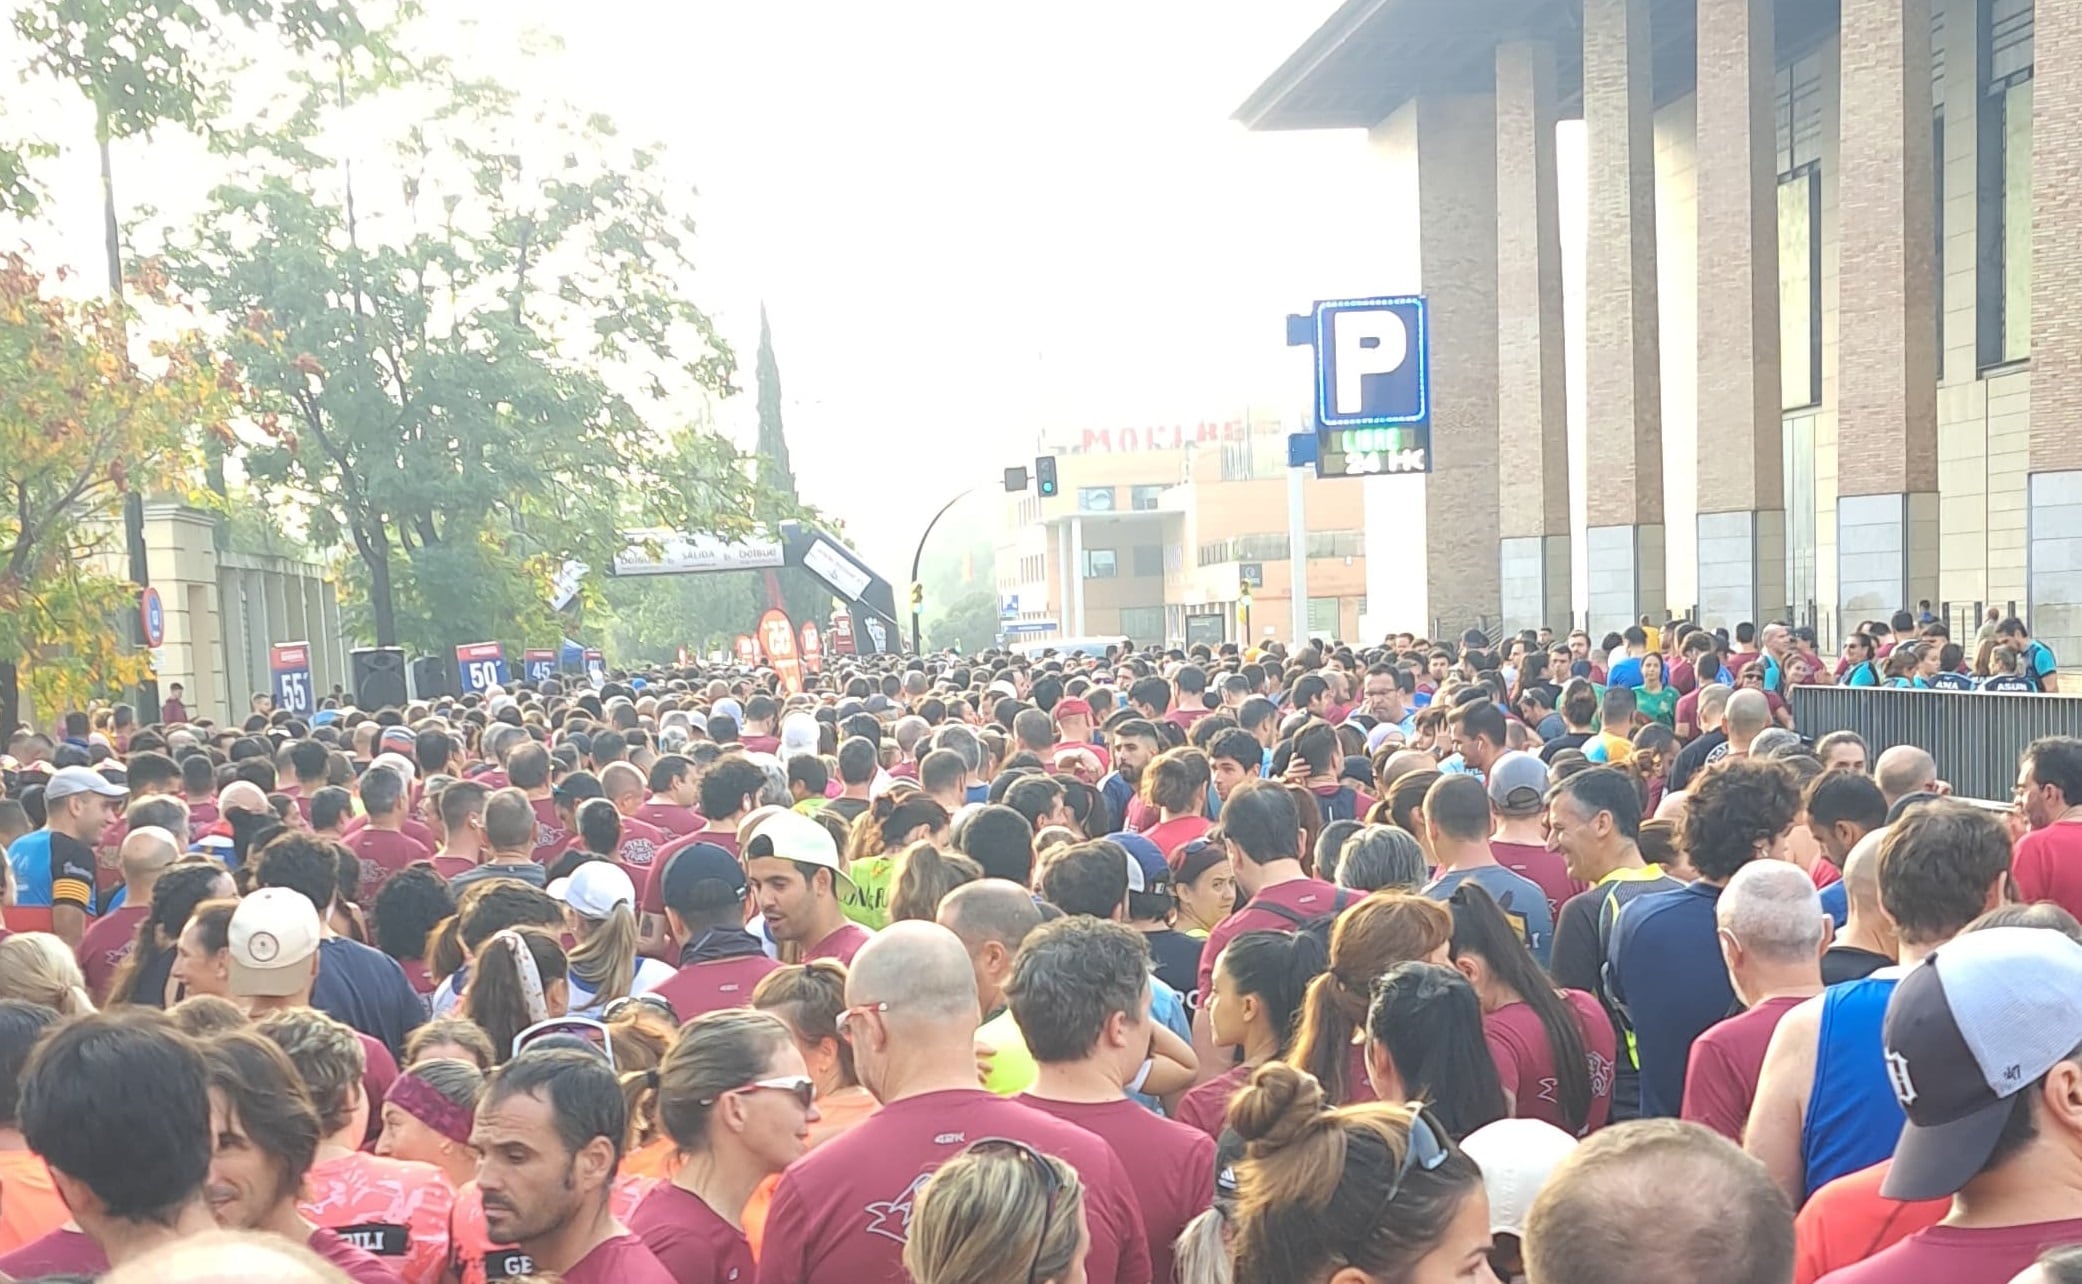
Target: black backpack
1342	805
1316	926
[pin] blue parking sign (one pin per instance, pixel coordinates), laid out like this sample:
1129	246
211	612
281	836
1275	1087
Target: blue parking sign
1372	362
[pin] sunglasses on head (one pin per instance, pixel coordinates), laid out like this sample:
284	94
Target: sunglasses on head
1425	1150
1051	1186
629	1001
568	1031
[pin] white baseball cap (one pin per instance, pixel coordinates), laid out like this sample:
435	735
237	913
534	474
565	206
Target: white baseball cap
790	835
1515	1156
595	888
67	781
273	935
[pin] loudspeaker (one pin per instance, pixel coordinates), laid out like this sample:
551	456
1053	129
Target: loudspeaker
433	676
379	677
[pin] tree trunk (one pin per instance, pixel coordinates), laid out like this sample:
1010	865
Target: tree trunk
10	697
111	230
382	606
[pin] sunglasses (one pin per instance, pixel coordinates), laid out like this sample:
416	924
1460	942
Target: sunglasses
630	1001
801	1087
1425	1150
579	1031
1051	1186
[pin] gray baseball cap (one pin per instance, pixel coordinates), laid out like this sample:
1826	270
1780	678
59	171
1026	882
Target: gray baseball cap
1980	1020
1518	783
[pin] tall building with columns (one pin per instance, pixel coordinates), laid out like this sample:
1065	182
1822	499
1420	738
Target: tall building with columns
1827	348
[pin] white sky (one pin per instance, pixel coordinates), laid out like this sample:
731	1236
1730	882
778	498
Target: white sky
968	221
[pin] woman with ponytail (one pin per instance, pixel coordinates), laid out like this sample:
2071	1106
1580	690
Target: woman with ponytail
1371	937
886	828
924	877
1378	1190
737	1101
1260	981
38	967
519	977
1536	1033
600	910
1424	1043
145	977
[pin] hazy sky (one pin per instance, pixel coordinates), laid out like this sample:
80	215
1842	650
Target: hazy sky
967	221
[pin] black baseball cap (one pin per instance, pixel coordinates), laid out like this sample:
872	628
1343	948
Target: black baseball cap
697	864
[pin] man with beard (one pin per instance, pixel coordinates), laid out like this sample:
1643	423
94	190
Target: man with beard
1135	744
549	1132
265	1133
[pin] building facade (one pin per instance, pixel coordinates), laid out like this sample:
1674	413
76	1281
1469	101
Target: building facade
1822	331
1154	532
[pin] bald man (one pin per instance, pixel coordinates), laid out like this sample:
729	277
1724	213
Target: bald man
1905	770
1748	714
1866	942
840	1213
145	855
625	785
992	917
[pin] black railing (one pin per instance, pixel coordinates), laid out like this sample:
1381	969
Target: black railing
1975	736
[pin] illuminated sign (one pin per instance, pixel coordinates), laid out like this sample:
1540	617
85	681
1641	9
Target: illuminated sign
1375	452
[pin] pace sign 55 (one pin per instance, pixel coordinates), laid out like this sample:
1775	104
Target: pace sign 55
1373	386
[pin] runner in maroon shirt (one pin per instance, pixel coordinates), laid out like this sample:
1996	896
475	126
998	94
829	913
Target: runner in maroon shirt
544	1196
381	845
737	1101
705	907
730	790
1088	1051
108	940
622	785
793	865
841	1214
675	791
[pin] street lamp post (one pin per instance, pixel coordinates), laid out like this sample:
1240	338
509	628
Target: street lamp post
917	557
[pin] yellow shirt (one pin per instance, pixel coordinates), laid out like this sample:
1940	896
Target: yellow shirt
1013	1070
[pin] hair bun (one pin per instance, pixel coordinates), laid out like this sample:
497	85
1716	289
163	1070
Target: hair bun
1278	1106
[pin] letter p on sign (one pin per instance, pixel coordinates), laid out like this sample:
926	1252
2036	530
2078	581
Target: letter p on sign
1372	363
1368	343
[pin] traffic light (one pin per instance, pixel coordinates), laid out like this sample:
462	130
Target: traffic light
917	596
1044	476
1243	591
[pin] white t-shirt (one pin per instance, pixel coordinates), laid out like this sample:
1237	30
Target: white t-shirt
650	973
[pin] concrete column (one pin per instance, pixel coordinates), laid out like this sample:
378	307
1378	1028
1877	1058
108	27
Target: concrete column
1532	395
1457	220
1075	577
1623	385
2054	508
1887	510
1742	519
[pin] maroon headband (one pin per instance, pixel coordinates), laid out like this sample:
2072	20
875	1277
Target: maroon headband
424	1102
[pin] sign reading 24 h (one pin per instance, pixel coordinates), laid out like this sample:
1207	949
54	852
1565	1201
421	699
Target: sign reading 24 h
481	665
1373	386
290	662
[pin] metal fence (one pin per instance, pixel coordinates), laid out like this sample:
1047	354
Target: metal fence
1975	737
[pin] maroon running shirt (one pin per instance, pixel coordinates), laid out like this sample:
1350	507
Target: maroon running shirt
1524	1059
383	852
715	985
1170	1166
107	941
1720	1083
621	1260
690	1240
1308	898
842	1213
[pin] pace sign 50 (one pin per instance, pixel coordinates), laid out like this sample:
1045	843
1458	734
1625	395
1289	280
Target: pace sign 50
1373	386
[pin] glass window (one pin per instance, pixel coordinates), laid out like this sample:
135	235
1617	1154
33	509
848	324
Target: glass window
1143	499
1095	499
1143	624
1148	559
1322	616
2003	296
1800	289
1098	564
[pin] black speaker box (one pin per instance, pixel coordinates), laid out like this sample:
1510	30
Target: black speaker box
433	676
379	677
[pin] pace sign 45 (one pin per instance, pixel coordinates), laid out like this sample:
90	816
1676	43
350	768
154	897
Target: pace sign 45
1373	386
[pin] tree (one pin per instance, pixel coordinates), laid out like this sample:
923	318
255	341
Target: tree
969	624
464	381
800	595
651	617
78	420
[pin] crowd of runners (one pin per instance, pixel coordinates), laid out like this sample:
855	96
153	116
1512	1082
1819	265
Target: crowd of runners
1561	959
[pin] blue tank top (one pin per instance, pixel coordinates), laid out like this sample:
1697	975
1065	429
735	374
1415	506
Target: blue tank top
1853	1119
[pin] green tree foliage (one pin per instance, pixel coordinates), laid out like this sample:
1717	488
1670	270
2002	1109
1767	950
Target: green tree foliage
649	618
78	419
478	382
969	624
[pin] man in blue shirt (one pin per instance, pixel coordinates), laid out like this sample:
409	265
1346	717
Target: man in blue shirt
2039	664
1627	672
1665	967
